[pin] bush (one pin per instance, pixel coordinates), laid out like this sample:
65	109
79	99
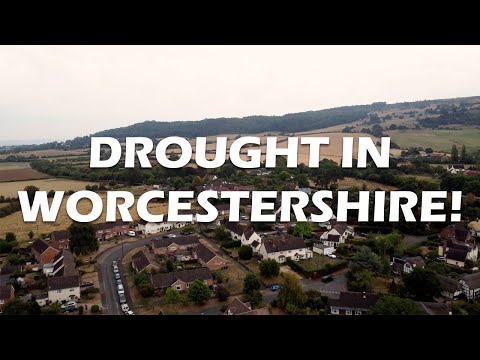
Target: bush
269	268
146	289
89	293
218	276
229	244
222	293
224	308
245	252
95	309
93	261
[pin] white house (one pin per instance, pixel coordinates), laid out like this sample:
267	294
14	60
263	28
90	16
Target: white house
471	285
338	234
242	232
285	247
64	288
323	249
455	168
153	228
406	265
449	288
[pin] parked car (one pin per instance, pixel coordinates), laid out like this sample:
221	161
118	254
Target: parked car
119	282
123	299
71	308
327	278
70	303
117	276
441	258
333	256
244	217
125	307
171	235
114	263
131	233
121	292
165	236
129	312
86	283
120	287
274	287
115	269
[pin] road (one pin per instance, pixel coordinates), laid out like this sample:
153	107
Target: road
330	290
106	277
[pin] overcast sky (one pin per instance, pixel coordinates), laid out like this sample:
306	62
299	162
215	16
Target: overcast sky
59	92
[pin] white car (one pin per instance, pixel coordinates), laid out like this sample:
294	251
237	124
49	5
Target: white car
172	235
117	276
120	287
68	304
115	269
332	256
129	312
114	263
121	292
131	233
125	307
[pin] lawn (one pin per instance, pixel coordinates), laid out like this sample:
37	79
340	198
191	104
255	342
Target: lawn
317	262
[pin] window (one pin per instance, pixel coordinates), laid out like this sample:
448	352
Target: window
358	312
1	302
72	289
178	287
348	312
334	311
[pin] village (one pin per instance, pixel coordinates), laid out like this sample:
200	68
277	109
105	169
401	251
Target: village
248	268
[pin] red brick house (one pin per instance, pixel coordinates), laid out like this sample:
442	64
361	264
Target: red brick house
171	245
43	252
108	230
208	258
181	280
60	239
7	293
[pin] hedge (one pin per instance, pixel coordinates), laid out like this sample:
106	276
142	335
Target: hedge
373	229
231	244
327	269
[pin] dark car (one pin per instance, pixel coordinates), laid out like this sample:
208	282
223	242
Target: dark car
327	278
165	236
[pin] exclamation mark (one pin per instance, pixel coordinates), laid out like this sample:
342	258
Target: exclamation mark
456	205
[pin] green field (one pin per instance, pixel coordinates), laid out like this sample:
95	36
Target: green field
438	140
14	165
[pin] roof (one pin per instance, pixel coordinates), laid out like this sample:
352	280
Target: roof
283	243
187	276
8	269
333	237
237	307
475	225
457	254
472	280
61	235
179	240
109	225
40	246
255	244
204	253
416	261
66	264
456	232
321	246
140	260
448	284
5	291
340	227
222	207
262	311
354	300
433	308
457	166
236	227
63	282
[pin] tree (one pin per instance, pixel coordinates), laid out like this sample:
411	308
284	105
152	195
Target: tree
146	289
10	237
393	305
170	266
18	307
302	229
302	180
197	181
30	235
31	191
255	298
422	284
95	309
473	309
463	154
251	283
454	154
284	175
470	199
82	238
222	293
221	234
172	296
198	292
360	280
269	268
388	244
315	300
290	292
245	252
429	150
365	259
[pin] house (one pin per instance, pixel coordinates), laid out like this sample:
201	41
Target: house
284	247
261	172
455	168
60	239
474	227
471	285
449	288
323	249
406	265
208	258
457	245
181	280
108	230
237	307
352	303
63	288
7	293
64	264
146	227
43	252
338	234
170	246
143	262
223	209
242	232
255	245
433	308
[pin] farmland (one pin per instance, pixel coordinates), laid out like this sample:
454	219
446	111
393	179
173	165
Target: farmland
14	165
14	223
348	183
21	175
10	189
46	153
